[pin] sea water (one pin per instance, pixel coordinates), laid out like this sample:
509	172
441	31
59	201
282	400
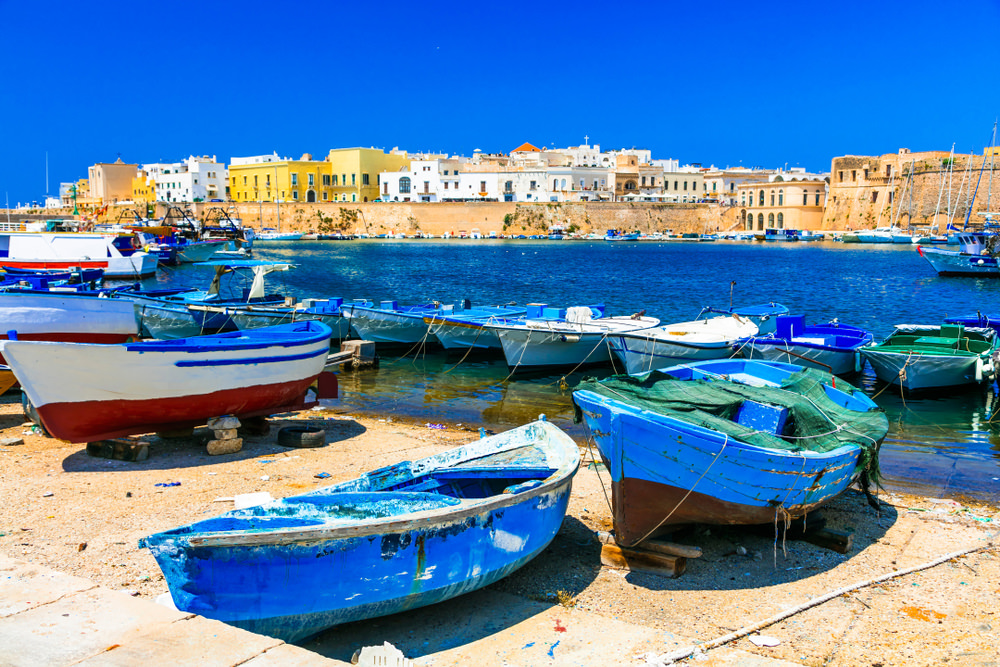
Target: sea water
945	445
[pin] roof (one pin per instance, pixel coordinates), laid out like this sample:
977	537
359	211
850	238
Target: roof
527	148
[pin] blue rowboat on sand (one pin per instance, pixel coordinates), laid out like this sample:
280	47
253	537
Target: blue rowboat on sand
728	441
411	534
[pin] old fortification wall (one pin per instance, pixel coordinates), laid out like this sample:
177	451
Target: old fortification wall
437	218
860	202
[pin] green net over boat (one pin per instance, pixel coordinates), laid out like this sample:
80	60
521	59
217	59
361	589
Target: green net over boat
814	423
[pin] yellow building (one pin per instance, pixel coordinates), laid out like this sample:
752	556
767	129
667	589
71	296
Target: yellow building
305	179
143	188
355	171
111	182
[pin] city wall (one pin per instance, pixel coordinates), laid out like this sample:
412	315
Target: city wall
507	218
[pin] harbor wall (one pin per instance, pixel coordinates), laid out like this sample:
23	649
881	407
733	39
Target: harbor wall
500	217
507	218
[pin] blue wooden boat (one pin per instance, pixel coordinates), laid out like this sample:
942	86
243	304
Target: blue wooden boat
466	328
392	324
412	534
729	441
978	320
833	347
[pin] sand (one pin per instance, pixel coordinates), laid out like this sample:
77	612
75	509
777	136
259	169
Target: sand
84	515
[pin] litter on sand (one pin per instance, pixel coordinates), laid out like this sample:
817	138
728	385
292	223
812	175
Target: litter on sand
764	640
167	484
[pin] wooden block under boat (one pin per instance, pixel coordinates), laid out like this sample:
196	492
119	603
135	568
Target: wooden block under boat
659	546
638	560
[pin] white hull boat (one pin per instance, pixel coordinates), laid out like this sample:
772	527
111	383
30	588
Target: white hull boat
673	344
62	250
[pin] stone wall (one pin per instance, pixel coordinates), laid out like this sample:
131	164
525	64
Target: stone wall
861	202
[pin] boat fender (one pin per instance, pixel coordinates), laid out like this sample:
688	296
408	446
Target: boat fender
570	338
979	369
857	361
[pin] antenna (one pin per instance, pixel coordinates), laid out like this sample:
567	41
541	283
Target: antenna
46	174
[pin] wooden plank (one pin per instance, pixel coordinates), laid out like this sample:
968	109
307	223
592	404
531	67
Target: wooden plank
840	541
635	560
658	546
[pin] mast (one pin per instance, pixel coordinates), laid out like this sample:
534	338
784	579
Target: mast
989	190
968	210
937	210
961	186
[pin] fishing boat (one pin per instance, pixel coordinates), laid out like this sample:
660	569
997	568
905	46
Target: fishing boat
85	393
877	235
392	324
272	234
65	317
7	379
710	335
979	319
328	311
62	250
615	235
408	535
467	328
730	441
976	254
184	313
573	336
917	357
833	347
73	279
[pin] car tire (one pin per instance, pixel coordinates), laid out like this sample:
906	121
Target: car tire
301	436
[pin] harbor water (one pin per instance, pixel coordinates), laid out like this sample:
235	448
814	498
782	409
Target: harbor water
946	445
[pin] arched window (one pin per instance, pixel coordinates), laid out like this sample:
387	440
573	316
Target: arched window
563	182
772	197
817	198
675	186
770	220
781	221
805	197
743	218
760	218
404	184
555	183
761	198
781	197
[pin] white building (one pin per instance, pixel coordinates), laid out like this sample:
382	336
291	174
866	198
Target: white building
256	159
194	179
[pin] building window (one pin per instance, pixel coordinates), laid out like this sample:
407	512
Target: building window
760	220
326	179
772	197
508	186
533	185
295	195
761	204
364	179
840	176
854	175
781	221
866	174
685	186
890	196
874	197
781	197
404	185
312	180
817	198
675	186
713	186
482	186
643	181
353	181
324	196
335	179
295	180
805	198
770	220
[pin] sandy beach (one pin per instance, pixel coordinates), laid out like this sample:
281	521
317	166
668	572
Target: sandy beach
84	515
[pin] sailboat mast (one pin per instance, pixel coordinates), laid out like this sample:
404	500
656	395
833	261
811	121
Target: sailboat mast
968	211
937	209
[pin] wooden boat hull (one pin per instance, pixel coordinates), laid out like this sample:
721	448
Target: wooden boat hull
66	318
682	342
655	461
295	567
85	393
389	328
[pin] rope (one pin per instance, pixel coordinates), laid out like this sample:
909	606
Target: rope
590	439
474	340
563	379
686	652
521	356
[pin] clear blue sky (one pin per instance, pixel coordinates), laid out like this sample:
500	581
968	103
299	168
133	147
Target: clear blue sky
725	83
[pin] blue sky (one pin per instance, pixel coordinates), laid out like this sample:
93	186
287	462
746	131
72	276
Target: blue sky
724	83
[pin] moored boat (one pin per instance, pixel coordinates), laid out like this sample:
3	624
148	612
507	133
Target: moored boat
730	441
563	336
833	347
404	536
392	324
467	328
919	357
85	393
63	250
976	255
711	335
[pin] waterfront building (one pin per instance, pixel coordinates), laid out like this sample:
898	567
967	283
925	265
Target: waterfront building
721	184
424	180
787	200
355	171
267	178
109	183
195	179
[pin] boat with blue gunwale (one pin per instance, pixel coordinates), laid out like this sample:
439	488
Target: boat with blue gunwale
731	441
86	393
327	311
408	535
392	324
833	347
466	329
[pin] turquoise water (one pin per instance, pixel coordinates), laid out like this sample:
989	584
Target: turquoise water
938	446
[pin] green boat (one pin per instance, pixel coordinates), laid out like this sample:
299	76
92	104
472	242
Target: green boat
918	357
